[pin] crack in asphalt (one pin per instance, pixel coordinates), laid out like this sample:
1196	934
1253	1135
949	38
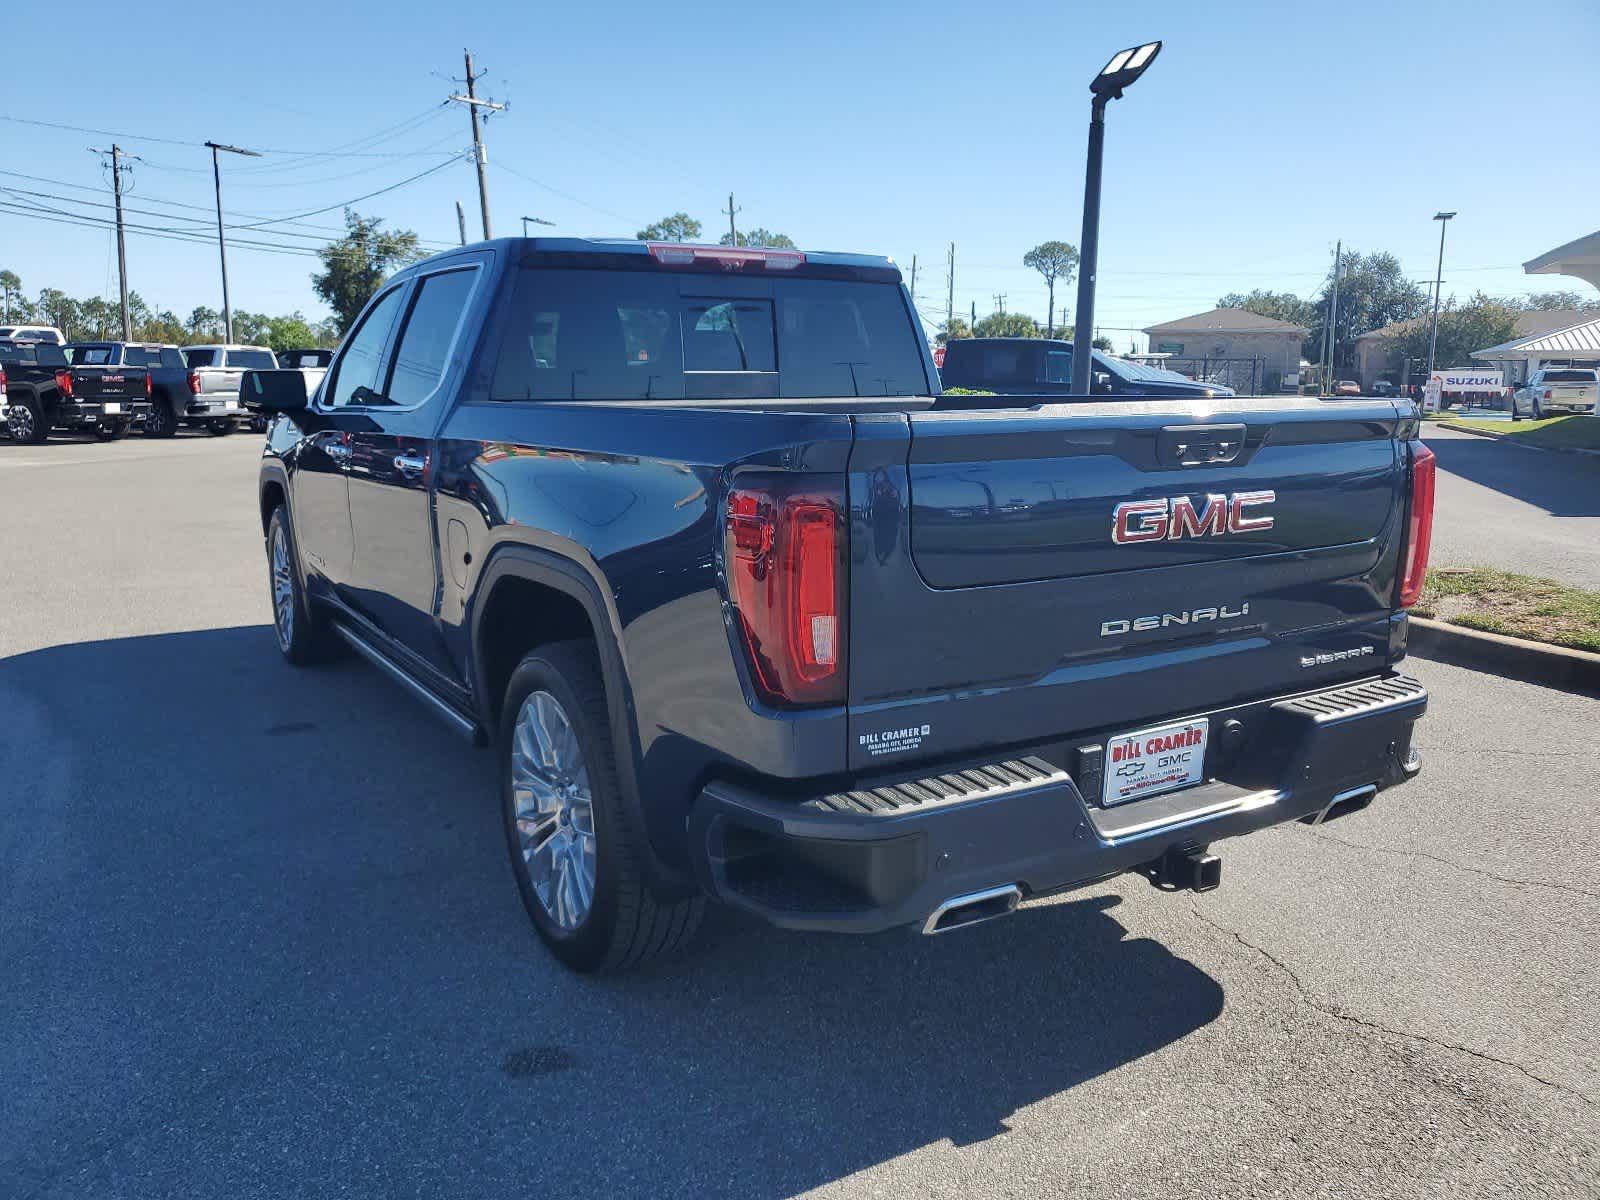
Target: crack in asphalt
1459	866
1339	1014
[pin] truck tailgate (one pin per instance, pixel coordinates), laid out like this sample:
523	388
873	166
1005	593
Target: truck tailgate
97	385
1257	552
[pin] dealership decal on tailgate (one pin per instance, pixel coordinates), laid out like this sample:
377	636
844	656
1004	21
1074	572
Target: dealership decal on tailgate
1155	760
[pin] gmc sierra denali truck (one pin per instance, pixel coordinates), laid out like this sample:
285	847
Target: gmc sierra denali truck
748	609
45	392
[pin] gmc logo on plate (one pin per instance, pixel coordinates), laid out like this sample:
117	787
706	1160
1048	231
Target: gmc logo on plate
1174	517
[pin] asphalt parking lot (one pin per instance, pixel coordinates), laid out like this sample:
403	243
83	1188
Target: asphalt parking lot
258	938
1523	509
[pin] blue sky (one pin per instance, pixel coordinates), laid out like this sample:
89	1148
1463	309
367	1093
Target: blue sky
1263	133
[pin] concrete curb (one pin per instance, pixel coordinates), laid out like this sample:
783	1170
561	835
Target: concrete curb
1554	666
1501	437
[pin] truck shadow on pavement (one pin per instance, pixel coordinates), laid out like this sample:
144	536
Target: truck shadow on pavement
268	944
1564	485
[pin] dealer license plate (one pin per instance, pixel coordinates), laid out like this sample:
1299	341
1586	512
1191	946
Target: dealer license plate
111	409
233	405
1151	761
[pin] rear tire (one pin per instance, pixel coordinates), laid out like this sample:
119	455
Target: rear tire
1538	410
559	790
303	634
113	431
1515	414
161	421
28	422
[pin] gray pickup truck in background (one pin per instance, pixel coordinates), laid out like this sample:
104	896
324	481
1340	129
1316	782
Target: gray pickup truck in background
212	397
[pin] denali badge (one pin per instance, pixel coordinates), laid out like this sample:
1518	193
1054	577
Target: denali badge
1193	616
1174	517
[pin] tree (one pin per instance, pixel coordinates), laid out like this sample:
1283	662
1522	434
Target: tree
760	237
1011	325
1476	325
1053	260
355	266
10	285
292	332
1102	343
679	227
57	308
205	322
952	330
1281	306
1539	302
1373	292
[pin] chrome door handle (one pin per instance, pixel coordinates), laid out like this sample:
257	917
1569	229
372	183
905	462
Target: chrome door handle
410	465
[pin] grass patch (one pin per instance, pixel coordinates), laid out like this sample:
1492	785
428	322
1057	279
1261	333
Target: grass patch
1540	610
1578	432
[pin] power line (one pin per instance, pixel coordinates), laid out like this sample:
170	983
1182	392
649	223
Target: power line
139	137
357	199
566	195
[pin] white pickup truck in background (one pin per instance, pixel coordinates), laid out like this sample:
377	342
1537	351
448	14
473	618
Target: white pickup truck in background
1573	388
217	370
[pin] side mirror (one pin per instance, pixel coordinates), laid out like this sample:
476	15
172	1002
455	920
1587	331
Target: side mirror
273	391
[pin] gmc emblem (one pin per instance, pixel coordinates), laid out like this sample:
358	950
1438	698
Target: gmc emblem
1175	517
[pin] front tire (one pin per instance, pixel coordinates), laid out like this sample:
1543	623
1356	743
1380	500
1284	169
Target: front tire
573	842
160	421
28	423
303	635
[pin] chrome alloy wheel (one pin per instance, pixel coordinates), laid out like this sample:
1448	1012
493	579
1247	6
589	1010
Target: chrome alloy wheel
282	588
21	421
554	809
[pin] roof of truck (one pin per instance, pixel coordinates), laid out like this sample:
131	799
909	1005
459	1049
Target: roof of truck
633	247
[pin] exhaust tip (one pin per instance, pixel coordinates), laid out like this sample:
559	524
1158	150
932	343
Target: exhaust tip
973	908
1343	805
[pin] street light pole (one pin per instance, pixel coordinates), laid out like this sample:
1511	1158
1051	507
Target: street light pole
1125	67
534	220
222	243
1438	282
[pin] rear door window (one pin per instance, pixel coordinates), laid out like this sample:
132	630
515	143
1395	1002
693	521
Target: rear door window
647	335
423	350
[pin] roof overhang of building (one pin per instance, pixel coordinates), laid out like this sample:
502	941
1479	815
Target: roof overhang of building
1579	259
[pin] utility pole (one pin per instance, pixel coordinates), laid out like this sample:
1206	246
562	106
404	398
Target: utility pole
733	230
913	281
1327	332
222	244
1333	321
117	156
974	319
461	222
479	157
999	302
950	303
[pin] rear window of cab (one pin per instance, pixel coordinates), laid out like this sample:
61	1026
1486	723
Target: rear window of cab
660	335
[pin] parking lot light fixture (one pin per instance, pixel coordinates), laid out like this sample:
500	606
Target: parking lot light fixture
1114	78
222	245
1438	282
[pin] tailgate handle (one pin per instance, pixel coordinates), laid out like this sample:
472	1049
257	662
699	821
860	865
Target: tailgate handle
1199	445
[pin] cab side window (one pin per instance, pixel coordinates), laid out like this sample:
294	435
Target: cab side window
356	378
423	350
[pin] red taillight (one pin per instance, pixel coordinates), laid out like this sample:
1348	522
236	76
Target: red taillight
786	573
149	388
674	254
64	382
194	383
1547	394
1419	524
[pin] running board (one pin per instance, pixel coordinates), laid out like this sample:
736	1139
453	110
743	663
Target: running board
462	724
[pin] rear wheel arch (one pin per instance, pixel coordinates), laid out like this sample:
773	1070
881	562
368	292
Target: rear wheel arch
527	597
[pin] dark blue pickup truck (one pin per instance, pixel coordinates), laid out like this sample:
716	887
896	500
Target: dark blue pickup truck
748	609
